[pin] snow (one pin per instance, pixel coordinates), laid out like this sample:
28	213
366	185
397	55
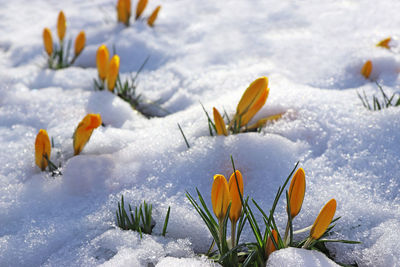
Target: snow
299	257
208	51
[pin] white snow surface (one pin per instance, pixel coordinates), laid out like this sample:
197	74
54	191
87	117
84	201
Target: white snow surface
299	257
208	51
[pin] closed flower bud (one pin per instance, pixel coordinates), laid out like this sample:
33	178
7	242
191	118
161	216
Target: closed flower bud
128	8
48	41
297	189
323	220
112	73
42	149
140	8
80	43
124	11
219	123
61	25
366	69
153	16
102	61
120	10
255	107
220	197
270	247
236	206
251	95
84	131
384	43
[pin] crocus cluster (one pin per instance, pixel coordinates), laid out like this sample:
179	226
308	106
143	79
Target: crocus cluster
252	101
366	69
228	202
296	194
58	54
223	195
81	136
108	69
124	12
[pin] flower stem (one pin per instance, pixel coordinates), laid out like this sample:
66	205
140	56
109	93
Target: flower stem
221	229
233	232
286	238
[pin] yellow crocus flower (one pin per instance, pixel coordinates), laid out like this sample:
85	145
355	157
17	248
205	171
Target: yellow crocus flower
42	149
366	69
84	131
128	8
80	43
48	41
236	206
297	190
120	11
220	197
255	107
102	58
112	73
384	43
153	16
124	11
323	220
251	95
61	25
270	247
219	123
140	8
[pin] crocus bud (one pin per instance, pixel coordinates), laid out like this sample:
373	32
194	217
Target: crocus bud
80	43
323	220
251	95
255	107
236	206
297	189
124	11
112	73
128	8
120	10
153	16
366	69
140	7
84	131
102	61
220	197
219	123
270	247
384	43
48	41
61	25
42	149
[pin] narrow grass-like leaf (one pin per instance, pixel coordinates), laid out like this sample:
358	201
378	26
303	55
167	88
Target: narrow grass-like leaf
164	231
184	137
211	125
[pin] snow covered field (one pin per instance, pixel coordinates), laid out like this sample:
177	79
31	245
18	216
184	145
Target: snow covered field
208	51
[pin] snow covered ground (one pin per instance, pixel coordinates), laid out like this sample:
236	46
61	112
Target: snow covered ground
208	51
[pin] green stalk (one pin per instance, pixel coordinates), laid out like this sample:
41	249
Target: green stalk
220	230
286	237
233	232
